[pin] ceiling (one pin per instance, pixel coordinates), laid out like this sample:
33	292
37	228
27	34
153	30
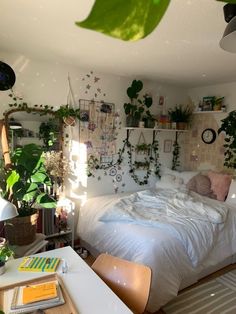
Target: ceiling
183	50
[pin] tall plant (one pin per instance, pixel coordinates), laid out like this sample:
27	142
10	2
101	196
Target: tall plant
229	127
26	179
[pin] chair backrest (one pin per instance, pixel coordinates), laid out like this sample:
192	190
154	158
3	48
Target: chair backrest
128	280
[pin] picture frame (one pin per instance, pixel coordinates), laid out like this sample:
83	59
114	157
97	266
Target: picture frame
208	103
167	146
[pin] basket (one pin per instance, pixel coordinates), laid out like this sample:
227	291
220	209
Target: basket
21	230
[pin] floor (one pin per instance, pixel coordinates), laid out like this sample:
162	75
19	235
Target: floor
90	259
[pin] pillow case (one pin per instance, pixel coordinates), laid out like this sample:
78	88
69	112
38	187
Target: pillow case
201	184
220	184
231	197
169	181
185	175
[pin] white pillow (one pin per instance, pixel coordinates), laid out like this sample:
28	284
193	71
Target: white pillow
231	197
169	181
185	175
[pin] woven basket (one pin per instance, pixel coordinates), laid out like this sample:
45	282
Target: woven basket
21	230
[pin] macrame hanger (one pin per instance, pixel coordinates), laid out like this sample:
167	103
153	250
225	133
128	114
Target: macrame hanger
70	98
141	139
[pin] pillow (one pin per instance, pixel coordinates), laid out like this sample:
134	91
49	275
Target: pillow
220	184
169	181
185	175
201	184
231	197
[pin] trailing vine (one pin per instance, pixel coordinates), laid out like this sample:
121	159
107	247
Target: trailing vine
93	162
176	153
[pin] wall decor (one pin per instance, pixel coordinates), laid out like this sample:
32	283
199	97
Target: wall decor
167	146
97	127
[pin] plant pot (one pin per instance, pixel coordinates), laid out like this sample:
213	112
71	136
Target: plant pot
149	124
21	230
2	267
70	121
181	125
132	122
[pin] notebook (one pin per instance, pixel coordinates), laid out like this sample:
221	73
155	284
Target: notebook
45	296
39	264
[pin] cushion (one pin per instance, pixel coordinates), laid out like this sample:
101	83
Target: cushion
220	184
231	197
184	175
201	184
169	181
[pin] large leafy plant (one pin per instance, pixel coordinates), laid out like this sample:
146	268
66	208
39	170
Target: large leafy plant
26	179
229	127
127	20
136	106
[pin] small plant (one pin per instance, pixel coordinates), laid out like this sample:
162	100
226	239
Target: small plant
48	132
65	111
181	113
5	253
229	127
144	148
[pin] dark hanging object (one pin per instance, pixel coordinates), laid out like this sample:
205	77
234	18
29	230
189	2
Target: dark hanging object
7	76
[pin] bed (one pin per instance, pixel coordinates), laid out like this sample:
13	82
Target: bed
179	233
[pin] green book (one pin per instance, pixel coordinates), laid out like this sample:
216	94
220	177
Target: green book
39	264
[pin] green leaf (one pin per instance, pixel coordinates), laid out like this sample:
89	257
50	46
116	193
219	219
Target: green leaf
228	1
12	178
126	20
46	201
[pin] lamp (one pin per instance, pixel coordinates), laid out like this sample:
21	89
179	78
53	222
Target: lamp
228	41
7	210
14	125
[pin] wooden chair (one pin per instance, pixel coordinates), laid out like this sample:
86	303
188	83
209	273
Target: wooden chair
128	280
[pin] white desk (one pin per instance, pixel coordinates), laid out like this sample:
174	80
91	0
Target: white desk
88	292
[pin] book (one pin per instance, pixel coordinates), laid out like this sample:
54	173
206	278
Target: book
39	264
46	295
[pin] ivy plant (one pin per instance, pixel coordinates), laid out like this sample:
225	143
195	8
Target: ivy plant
127	20
229	127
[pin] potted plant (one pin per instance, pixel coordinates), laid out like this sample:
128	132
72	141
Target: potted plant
5	253
136	107
68	114
181	115
229	127
25	184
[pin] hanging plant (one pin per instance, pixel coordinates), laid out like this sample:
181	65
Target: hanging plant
229	127
176	154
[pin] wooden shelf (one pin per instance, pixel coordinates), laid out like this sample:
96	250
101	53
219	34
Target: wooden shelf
156	129
210	111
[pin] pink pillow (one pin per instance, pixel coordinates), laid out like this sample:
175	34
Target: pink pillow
201	184
220	184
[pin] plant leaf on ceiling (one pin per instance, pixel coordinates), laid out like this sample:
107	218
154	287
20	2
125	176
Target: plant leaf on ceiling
228	1
126	20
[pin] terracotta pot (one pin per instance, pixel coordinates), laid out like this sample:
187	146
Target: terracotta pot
181	125
21	230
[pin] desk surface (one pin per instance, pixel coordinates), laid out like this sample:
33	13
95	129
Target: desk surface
88	292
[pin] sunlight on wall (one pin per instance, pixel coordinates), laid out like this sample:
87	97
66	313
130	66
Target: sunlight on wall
78	181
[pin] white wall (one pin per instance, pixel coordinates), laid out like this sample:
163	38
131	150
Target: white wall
41	82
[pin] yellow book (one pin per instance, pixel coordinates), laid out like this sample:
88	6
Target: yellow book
35	293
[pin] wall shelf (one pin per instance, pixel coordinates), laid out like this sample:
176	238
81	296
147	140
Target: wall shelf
156	129
210	111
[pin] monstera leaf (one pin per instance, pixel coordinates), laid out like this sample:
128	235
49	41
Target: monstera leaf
127	20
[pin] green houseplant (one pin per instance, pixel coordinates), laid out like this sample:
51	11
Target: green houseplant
181	115
228	126
136	107
25	183
5	253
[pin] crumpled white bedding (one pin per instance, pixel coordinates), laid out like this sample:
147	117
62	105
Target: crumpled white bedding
189	217
172	246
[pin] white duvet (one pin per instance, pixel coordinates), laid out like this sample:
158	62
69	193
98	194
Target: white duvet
172	231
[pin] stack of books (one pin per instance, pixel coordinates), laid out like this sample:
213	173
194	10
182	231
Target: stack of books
33	297
39	264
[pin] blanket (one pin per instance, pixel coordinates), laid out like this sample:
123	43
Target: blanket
191	218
